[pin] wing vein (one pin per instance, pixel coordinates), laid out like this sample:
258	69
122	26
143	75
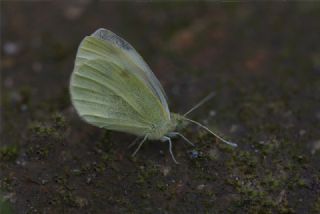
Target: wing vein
112	89
87	89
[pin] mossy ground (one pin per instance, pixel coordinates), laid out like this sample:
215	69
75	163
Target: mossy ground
263	62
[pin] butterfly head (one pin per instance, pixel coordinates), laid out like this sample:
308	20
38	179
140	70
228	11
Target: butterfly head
178	121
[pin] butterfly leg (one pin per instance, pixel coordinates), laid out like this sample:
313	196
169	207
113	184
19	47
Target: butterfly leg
139	146
133	142
165	138
183	137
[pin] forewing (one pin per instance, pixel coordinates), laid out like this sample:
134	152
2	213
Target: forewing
113	48
107	95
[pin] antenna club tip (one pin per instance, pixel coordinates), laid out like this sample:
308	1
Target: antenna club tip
232	144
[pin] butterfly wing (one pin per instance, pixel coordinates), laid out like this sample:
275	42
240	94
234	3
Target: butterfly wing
109	46
107	95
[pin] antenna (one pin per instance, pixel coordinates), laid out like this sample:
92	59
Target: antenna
207	129
212	94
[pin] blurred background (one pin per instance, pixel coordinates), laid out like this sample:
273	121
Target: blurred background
262	61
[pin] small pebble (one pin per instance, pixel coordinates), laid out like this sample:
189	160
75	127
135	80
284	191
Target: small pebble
24	108
8	82
37	66
194	154
76	171
212	113
81	202
15	97
21	162
234	128
11	48
302	132
201	187
165	170
44	181
90	177
315	147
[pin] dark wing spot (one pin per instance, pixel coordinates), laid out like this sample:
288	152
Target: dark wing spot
124	74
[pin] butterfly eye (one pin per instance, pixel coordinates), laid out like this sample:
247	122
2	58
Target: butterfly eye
181	124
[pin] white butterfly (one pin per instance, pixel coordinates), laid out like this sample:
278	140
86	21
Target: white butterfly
112	87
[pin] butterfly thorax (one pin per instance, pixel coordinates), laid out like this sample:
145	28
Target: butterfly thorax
163	128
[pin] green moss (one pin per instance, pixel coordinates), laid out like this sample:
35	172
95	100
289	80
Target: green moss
302	183
9	153
226	148
66	197
246	161
86	167
253	199
44	134
271	183
105	143
61	179
6	183
146	173
106	157
316	206
5	205
58	121
48	128
145	195
161	186
41	130
100	167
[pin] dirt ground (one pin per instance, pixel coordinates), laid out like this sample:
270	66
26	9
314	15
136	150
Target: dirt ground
261	60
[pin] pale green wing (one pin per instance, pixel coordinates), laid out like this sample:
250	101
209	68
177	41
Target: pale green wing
106	95
107	45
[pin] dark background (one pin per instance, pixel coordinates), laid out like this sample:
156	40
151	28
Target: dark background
262	60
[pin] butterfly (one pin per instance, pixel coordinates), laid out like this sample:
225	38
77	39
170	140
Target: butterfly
112	87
